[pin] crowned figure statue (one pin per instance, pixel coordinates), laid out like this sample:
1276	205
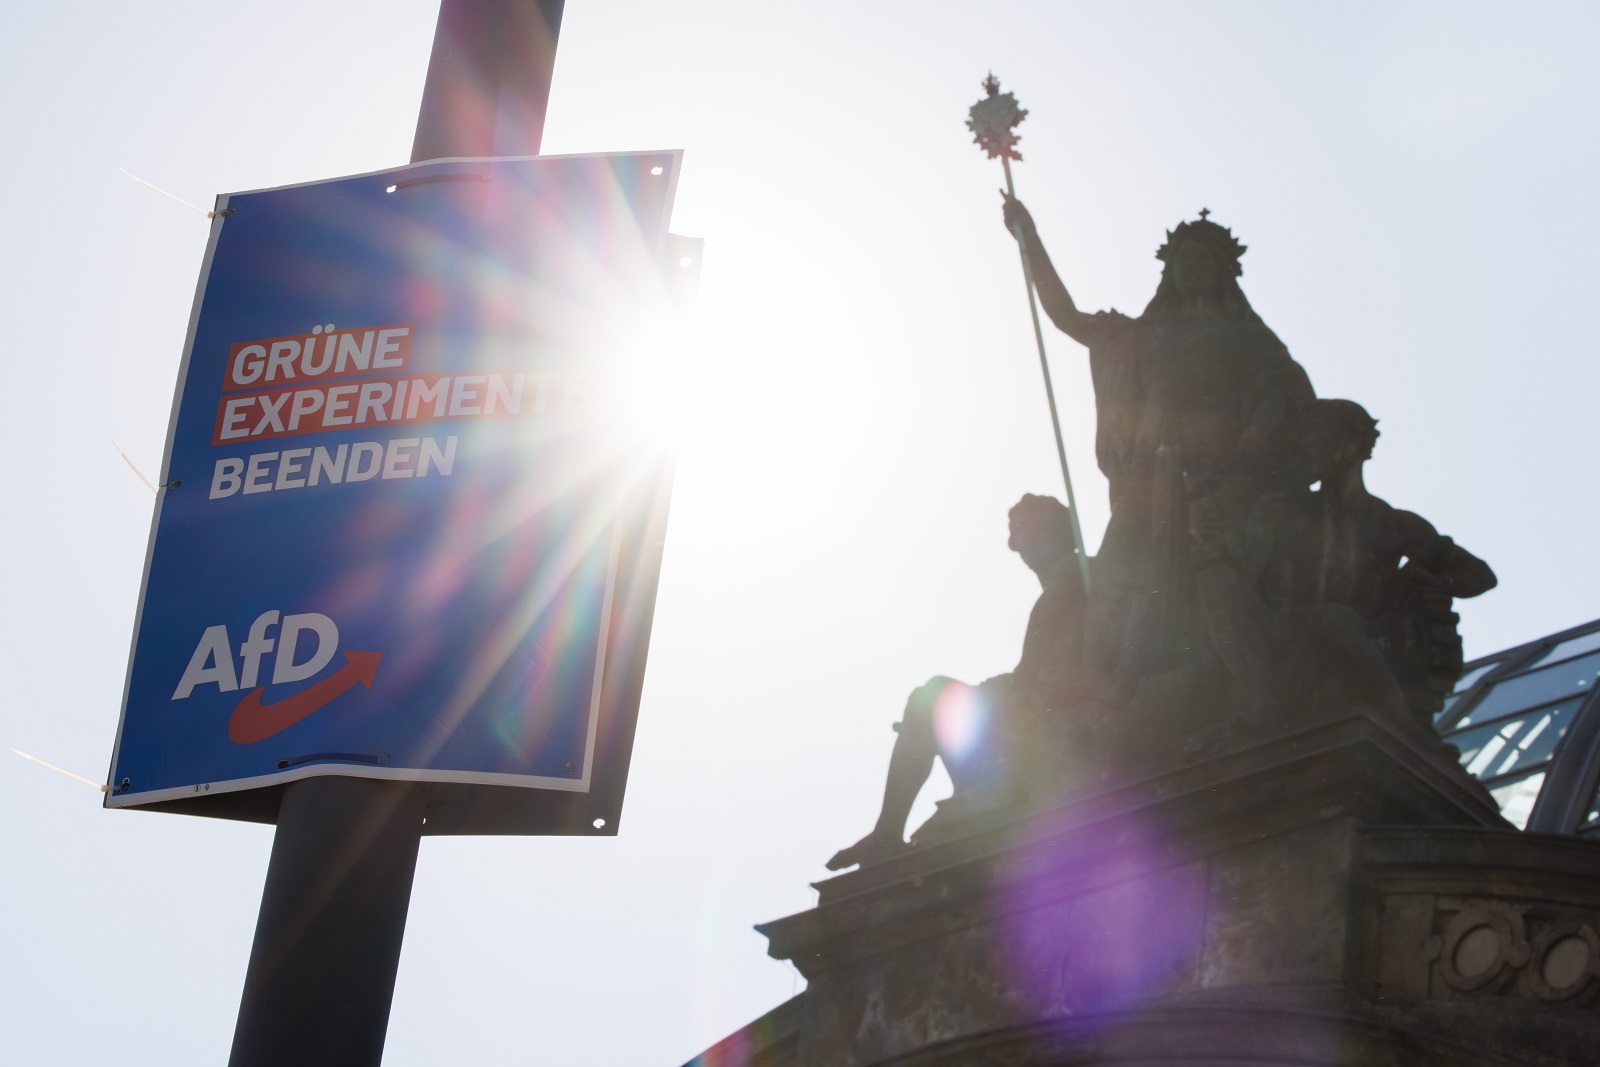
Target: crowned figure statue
1197	401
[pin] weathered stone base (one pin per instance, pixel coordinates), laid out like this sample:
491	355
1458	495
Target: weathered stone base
1340	896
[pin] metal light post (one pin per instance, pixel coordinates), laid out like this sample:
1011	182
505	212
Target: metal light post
333	910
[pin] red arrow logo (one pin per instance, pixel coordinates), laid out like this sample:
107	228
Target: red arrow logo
254	721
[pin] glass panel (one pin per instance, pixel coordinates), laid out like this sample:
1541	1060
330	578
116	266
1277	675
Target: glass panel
1477	672
1516	798
1462	685
1573	646
1536	687
1513	744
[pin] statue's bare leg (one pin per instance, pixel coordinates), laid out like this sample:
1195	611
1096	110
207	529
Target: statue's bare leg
909	767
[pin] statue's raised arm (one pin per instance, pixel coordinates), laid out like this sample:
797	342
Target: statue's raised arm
1053	295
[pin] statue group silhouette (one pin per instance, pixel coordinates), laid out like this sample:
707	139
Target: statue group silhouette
1247	582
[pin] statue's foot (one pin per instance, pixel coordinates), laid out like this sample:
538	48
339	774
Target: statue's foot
874	848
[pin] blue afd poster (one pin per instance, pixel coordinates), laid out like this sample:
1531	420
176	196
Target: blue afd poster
397	472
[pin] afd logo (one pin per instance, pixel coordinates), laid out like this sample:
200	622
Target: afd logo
213	663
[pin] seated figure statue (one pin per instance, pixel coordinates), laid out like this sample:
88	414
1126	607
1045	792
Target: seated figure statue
1356	593
992	737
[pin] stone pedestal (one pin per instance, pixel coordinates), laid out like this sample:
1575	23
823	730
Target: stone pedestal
1339	896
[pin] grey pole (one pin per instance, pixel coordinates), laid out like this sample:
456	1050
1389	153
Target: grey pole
488	79
333	915
327	945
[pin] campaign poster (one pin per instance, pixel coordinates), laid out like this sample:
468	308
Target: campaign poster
405	483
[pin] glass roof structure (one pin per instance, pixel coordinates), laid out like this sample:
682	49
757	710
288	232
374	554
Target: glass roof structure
1527	722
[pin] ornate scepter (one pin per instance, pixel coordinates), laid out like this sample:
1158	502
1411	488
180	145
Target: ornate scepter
993	121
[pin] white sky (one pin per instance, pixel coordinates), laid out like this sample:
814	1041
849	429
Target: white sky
1417	186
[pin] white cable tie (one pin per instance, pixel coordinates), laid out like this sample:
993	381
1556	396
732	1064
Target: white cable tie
169	196
60	770
131	467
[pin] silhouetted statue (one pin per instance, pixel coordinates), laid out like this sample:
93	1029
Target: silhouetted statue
999	737
1358	592
1196	401
1247	582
